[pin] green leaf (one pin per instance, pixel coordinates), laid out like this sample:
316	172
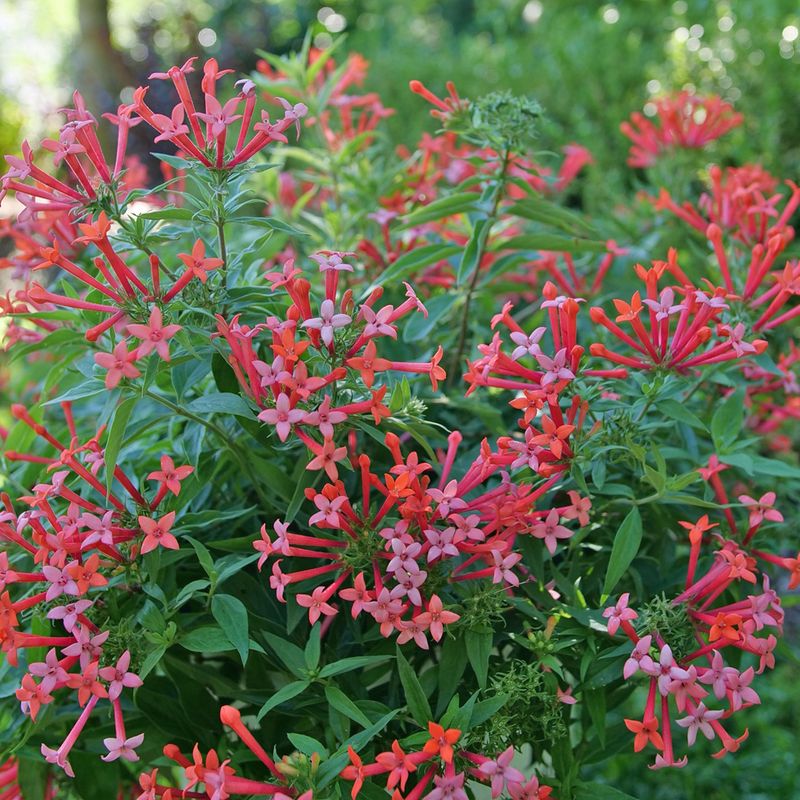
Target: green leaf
479	647
312	650
595	702
452	665
32	777
413	260
655	478
170	213
599	472
541	210
303	479
774	467
206	639
307	745
152	660
415	696
291	655
88	388
550	242
474	250
273	223
443	207
231	564
486	709
600	791
726	424
116	434
221	403
202	519
626	546
674	410
349	664
282	695
420	327
231	615
204	557
341	702
174	161
681	498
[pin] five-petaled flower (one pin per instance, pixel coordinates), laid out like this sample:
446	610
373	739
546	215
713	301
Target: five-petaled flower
157	533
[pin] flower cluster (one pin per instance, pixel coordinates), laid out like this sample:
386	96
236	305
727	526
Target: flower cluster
438	776
220	369
396	556
683	121
66	551
312	360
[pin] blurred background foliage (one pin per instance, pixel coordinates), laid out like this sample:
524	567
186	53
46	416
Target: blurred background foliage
588	63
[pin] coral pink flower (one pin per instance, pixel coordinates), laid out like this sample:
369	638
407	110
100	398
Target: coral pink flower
157	533
328	509
436	617
699	719
325	418
87	683
359	595
69	613
502	567
119	677
579	508
640	658
549	530
122	748
119	363
619	613
32	696
645	731
501	772
326	458
49	671
154	335
283	416
441	742
399	764
327	322
317	604
170	475
761	509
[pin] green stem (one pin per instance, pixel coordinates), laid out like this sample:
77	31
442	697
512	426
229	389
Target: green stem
223	251
645	407
490	221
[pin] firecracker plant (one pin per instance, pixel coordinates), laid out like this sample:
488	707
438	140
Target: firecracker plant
336	470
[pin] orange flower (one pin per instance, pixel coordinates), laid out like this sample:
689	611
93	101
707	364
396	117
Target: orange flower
86	575
697	529
646	731
725	626
629	312
441	741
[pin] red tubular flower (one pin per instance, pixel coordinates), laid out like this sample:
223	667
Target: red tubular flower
676	331
466	530
735	624
682	121
289	389
443	109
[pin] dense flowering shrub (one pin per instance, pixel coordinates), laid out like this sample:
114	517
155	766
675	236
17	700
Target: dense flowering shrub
335	470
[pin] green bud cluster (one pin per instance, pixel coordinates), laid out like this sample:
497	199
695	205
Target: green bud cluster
671	622
531	713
